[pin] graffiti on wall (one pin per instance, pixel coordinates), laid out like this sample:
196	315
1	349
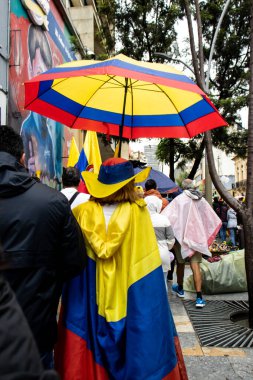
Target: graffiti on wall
39	41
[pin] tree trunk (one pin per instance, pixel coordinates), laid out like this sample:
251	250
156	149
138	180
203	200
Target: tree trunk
248	238
200	40
245	211
197	160
248	215
171	159
192	45
249	190
228	198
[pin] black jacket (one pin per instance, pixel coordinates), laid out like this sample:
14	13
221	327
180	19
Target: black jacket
221	210
19	356
42	243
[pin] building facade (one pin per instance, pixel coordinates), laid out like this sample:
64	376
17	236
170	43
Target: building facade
225	168
90	25
150	154
41	35
239	187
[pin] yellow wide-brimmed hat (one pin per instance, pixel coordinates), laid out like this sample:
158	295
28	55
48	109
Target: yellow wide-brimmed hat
114	173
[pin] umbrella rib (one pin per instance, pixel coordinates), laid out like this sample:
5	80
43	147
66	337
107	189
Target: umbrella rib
64	79
99	88
110	77
173	105
144	84
44	92
145	89
117	81
85	105
100	80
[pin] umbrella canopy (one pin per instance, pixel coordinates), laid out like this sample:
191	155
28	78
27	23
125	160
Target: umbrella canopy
123	97
164	183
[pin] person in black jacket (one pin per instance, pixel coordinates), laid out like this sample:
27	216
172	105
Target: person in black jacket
19	356
221	210
41	239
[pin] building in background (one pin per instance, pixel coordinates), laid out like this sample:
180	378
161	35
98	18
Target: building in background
239	187
149	151
225	169
91	26
144	150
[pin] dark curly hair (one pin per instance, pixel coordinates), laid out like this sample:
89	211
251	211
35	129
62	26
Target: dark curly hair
70	177
150	184
11	142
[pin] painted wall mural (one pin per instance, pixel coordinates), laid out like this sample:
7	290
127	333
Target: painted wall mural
39	40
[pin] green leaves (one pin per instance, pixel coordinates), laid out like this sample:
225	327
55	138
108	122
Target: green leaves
144	27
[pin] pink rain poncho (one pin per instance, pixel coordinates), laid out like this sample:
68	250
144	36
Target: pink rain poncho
194	223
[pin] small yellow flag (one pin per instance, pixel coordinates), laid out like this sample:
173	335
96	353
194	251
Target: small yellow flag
116	152
73	153
91	150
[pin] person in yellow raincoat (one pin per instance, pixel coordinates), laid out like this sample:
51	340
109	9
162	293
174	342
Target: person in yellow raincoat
116	322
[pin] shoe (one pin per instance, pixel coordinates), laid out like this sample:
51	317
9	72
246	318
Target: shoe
200	303
180	293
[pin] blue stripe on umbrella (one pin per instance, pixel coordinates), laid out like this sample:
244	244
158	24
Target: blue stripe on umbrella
123	65
62	102
196	111
188	115
132	121
45	85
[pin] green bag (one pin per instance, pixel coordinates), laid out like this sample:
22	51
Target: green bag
225	276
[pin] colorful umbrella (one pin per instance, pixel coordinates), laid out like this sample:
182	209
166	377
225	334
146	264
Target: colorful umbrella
164	183
123	97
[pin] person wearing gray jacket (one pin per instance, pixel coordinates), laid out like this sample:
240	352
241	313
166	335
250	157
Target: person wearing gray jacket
163	231
232	224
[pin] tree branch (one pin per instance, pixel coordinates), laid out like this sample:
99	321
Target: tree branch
216	179
192	44
197	160
200	40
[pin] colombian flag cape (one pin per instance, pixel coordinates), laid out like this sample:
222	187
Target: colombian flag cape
115	321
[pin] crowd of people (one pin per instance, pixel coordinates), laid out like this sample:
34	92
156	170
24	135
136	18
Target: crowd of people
106	256
231	223
102	260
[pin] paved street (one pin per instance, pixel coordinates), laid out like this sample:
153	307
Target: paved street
209	363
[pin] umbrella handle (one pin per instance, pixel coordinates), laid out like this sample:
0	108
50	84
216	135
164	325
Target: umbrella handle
123	117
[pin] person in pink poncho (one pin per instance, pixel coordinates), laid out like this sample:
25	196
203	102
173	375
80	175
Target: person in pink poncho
195	226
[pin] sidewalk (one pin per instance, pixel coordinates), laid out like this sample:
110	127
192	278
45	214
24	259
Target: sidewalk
209	363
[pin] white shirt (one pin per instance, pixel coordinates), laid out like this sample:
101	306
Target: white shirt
108	211
81	197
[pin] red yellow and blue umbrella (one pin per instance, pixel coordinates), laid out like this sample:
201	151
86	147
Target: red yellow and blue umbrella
123	97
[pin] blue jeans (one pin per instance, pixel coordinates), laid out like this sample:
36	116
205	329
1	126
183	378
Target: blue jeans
47	359
232	235
223	231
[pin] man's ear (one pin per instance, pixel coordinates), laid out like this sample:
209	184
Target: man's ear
22	159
